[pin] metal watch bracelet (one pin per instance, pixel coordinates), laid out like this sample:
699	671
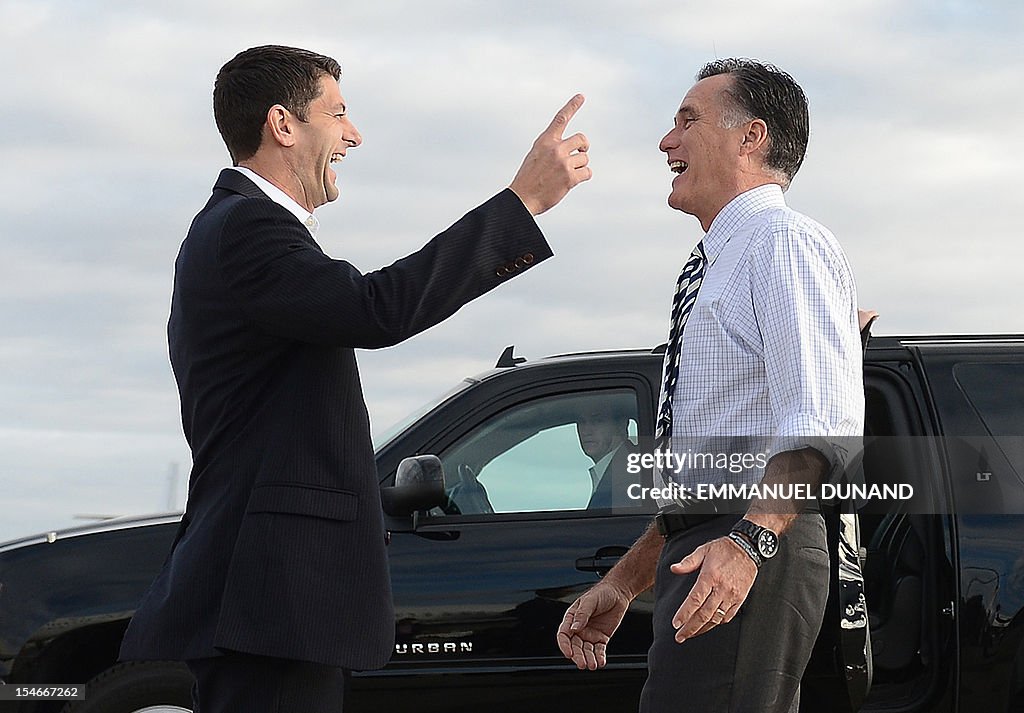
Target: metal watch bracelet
747	547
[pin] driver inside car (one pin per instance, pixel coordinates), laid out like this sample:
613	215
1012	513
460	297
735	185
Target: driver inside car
603	432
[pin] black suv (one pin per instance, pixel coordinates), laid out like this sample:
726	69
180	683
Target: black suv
481	582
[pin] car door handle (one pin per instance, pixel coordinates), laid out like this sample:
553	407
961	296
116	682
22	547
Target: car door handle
603	560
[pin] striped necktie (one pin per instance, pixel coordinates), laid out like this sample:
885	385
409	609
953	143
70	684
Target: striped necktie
682	303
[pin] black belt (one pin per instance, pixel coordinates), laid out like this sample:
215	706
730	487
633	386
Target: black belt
670	522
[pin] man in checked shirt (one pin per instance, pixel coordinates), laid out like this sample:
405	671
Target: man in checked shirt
769	356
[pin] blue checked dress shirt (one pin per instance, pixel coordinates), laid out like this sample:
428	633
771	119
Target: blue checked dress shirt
771	355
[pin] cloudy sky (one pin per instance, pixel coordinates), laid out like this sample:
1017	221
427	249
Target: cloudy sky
108	148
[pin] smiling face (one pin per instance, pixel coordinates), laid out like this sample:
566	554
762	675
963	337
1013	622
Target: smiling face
321	140
706	156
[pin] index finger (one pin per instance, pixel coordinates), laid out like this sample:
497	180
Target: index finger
567	112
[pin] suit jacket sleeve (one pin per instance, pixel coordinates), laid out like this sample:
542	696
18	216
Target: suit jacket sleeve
284	283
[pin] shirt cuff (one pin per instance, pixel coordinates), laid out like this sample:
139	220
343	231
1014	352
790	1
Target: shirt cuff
841	446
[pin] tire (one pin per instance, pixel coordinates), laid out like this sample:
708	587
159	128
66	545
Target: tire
138	687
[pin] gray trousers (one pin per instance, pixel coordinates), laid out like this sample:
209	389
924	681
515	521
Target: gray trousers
754	663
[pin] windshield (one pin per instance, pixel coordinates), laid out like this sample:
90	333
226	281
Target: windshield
390	434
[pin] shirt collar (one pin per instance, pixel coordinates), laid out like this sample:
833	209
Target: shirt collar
282	199
736	212
602	465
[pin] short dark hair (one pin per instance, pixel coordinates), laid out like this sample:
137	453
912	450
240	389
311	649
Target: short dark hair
257	79
763	91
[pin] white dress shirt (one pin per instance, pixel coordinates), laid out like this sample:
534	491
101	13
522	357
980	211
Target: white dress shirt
771	356
282	199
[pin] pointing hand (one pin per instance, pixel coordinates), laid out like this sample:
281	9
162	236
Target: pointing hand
554	165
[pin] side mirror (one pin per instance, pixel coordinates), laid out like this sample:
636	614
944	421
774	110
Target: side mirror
419	485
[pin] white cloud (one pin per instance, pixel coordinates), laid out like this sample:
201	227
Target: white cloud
21	17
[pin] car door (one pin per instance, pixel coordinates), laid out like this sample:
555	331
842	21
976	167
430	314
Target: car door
481	585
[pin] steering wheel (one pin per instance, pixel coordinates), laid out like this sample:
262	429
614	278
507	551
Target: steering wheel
469	496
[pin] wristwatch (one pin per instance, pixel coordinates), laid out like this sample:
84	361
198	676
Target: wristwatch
759	541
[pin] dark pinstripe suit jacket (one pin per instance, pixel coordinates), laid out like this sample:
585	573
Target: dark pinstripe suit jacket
613	488
281	550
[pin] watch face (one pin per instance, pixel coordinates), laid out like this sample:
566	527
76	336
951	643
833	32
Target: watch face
767	543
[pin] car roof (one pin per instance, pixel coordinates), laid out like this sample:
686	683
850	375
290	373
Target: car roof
509	360
118	523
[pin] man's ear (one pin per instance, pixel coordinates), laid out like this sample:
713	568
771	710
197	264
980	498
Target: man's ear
755	138
280	125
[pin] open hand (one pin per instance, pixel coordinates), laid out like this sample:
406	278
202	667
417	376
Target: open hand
589	623
726	575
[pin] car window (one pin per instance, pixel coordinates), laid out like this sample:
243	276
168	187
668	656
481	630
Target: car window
565	452
397	429
996	393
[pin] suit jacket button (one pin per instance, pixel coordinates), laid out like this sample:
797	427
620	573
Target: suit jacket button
520	263
500	272
528	258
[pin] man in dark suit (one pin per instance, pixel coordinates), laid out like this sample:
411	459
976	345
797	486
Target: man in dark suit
277	582
603	432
